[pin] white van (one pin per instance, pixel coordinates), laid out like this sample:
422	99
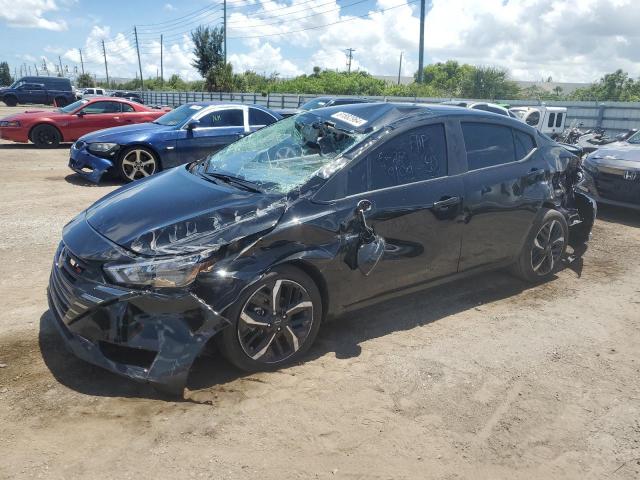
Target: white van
549	120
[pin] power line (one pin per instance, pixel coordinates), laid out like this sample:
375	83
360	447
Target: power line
328	24
197	20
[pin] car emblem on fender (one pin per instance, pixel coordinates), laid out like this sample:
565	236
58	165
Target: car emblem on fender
630	175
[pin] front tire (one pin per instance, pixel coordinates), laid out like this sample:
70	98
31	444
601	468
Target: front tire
136	163
541	255
274	323
46	136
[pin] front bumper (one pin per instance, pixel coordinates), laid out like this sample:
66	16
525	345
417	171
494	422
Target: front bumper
144	335
610	187
88	165
14	134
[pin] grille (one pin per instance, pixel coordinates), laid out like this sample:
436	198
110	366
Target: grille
614	187
65	272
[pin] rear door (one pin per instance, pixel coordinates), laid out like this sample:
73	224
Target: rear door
217	129
501	198
412	182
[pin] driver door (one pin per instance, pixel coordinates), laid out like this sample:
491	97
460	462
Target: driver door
216	130
94	116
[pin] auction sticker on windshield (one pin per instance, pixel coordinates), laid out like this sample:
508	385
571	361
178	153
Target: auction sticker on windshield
349	118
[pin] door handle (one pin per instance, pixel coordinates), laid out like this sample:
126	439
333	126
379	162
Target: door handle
446	202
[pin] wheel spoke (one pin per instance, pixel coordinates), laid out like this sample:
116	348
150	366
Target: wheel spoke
151	161
249	320
558	240
536	243
299	307
275	295
539	264
264	349
293	339
138	155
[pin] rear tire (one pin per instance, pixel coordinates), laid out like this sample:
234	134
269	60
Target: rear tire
10	101
257	340
545	246
46	136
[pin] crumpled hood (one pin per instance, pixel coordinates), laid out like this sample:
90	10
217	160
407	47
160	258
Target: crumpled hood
618	155
176	212
125	133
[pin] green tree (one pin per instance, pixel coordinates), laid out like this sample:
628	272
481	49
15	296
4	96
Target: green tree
219	78
208	48
84	80
5	74
488	83
445	78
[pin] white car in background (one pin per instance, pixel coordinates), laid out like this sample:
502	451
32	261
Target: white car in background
93	92
485	106
548	120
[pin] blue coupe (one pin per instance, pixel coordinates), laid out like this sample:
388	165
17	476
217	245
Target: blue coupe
188	133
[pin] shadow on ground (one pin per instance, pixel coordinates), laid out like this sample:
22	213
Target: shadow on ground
343	337
624	216
79	180
31	146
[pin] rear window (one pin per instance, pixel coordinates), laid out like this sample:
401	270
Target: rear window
559	120
487	144
552	120
524	143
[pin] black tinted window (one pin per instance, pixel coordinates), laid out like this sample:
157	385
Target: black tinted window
533	119
127	108
558	120
223	118
101	107
552	119
258	117
499	111
419	154
487	145
524	144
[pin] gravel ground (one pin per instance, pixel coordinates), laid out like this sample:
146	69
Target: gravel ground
482	378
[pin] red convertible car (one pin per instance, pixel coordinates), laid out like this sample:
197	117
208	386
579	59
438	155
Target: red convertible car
48	128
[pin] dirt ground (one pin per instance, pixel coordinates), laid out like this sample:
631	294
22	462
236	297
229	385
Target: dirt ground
486	378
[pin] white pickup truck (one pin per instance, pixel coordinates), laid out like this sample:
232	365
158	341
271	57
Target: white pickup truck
549	120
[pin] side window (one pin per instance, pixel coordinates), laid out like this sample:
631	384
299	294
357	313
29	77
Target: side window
499	111
559	120
223	118
101	107
524	144
487	145
413	156
533	119
127	108
258	118
552	120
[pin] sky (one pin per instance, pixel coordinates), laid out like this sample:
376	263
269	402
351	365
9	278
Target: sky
568	40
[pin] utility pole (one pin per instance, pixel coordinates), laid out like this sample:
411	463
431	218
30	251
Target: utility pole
29	70
36	67
400	68
349	52
135	32
81	60
224	19
106	68
161	63
421	46
61	69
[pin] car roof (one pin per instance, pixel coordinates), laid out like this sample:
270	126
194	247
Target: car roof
376	115
228	104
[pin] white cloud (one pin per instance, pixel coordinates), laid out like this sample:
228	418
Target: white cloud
264	59
30	14
169	8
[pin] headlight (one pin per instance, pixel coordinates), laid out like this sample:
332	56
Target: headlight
103	147
173	272
9	123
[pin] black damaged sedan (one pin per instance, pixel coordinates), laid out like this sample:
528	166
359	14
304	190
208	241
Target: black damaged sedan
319	214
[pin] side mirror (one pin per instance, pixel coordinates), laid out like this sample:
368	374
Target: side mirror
80	113
193	124
371	246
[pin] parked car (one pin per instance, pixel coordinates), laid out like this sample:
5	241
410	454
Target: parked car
321	102
316	215
548	120
129	96
190	132
39	90
612	173
48	128
93	92
484	106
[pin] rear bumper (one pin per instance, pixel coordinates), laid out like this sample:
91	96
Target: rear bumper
144	335
88	165
14	134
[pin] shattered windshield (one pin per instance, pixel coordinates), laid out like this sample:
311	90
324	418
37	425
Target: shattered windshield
284	155
635	138
315	103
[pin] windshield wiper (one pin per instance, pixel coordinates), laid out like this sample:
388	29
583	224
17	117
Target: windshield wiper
241	182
